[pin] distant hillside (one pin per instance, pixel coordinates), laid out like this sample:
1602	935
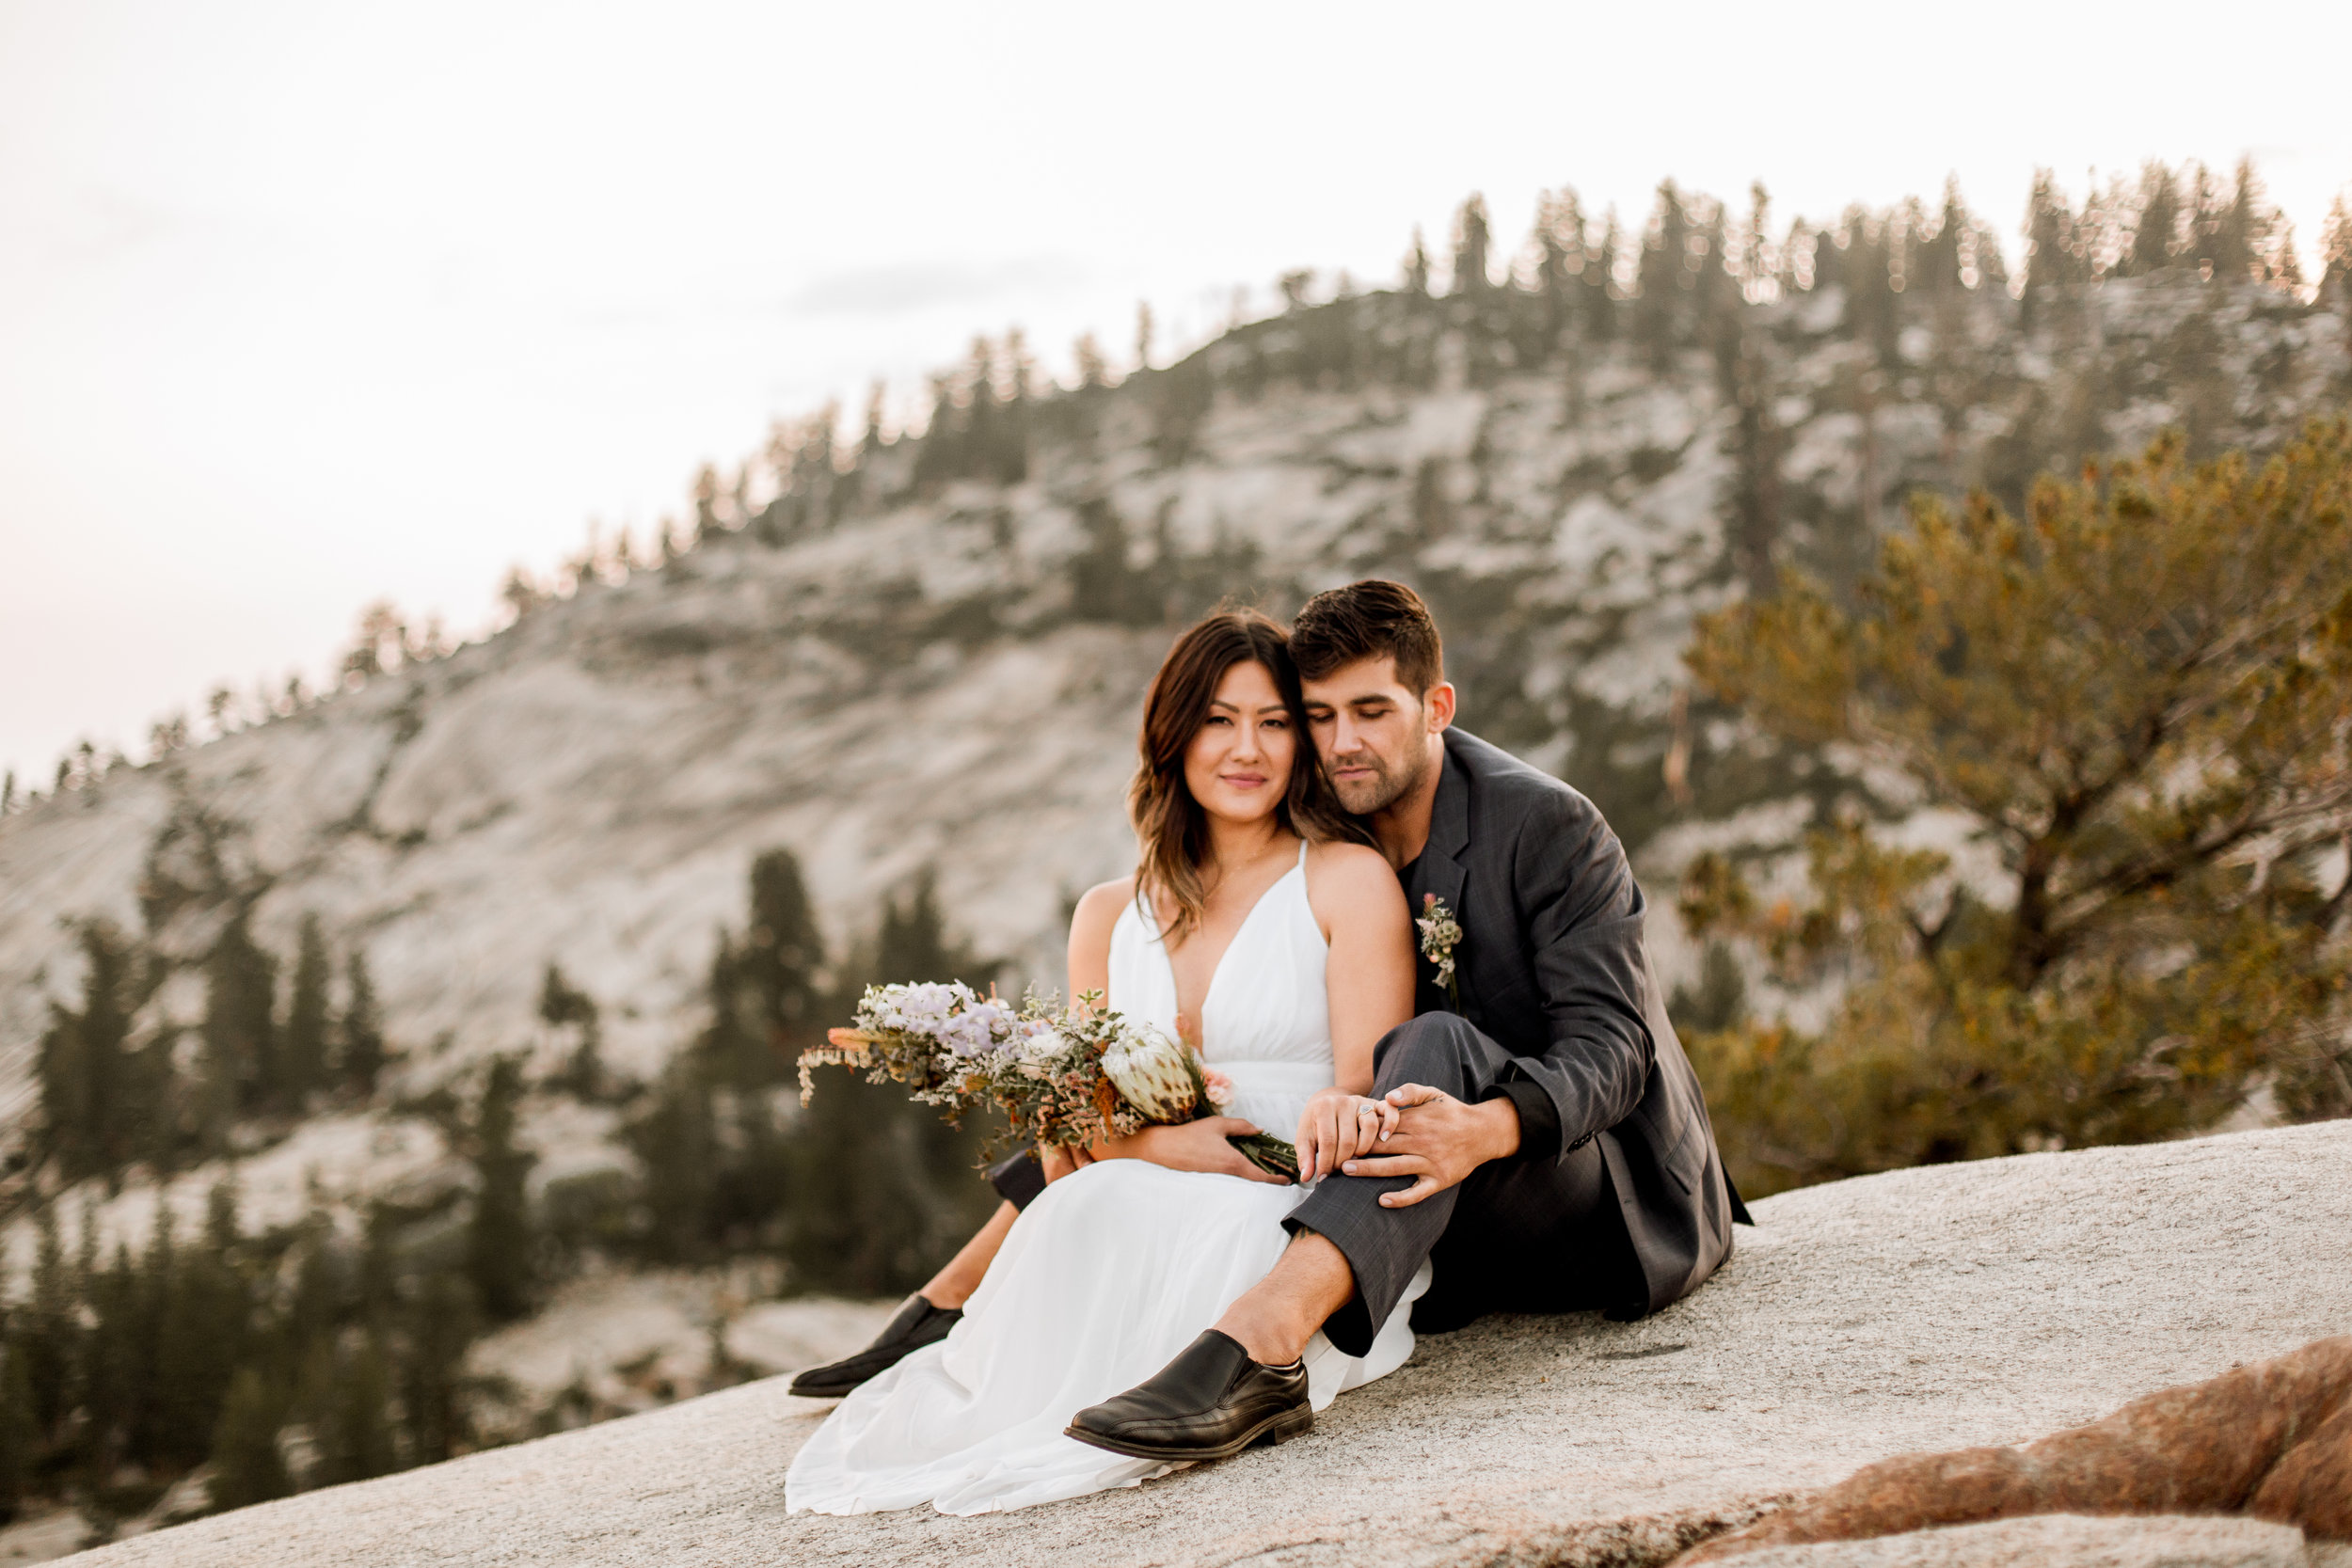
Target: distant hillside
928	652
918	660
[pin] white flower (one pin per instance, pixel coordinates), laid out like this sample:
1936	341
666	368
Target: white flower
921	1008
978	1030
1035	1050
1152	1073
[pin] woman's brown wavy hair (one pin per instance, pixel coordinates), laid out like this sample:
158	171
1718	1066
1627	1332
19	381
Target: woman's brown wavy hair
1173	828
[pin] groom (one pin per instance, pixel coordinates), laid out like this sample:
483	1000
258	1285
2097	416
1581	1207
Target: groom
1553	1153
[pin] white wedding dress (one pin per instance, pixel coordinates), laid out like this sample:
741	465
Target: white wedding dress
1112	1270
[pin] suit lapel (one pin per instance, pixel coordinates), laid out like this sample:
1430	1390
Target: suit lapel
1440	872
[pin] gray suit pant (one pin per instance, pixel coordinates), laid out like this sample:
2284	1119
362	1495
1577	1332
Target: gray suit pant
1516	1236
1542	1235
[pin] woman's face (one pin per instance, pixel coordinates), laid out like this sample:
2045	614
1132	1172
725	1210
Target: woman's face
1238	765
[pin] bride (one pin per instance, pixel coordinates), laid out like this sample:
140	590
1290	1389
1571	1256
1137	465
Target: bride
1257	913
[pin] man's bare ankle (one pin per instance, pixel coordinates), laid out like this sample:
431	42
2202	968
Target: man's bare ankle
1270	1344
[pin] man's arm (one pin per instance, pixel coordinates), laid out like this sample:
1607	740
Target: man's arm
1583	912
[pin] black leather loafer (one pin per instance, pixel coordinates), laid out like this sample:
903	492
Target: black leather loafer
1210	1403
919	1323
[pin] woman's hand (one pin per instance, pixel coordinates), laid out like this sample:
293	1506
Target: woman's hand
1193	1146
1060	1159
1336	1126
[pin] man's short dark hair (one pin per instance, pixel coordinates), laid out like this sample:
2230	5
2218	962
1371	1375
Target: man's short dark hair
1371	619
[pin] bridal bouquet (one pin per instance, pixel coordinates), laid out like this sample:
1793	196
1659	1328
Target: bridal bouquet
1062	1076
943	1042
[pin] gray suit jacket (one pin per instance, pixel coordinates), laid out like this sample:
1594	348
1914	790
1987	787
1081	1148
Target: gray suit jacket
1551	967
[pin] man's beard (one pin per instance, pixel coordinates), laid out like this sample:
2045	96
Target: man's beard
1364	797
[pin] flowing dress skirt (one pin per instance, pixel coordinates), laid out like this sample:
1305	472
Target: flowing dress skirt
1108	1275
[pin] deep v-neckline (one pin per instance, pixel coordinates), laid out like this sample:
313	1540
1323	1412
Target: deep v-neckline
1208	992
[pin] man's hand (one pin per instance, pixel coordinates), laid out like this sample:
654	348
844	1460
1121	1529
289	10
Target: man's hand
1438	1141
1336	1127
1193	1146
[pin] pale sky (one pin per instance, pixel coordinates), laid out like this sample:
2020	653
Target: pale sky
305	305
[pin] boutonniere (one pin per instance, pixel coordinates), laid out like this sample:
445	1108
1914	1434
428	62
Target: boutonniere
1439	934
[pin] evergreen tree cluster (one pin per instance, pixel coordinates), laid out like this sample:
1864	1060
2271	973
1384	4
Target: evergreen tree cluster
127	1082
115	1093
2186	218
297	1358
313	1356
980	418
1688	280
864	1193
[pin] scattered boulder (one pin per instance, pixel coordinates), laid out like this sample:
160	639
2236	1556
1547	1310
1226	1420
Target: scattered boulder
2273	1440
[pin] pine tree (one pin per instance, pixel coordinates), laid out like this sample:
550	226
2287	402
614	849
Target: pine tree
564	1007
20	1431
112	1372
1417	268
1755	268
1939	254
2131	980
706	497
1600	282
940	457
2240	230
441	1323
361	1056
2051	262
2155	236
1473	237
1870	310
358	1437
1756	447
1095	373
783	954
316	1306
88	1090
377	1286
1008	452
2335	252
240	1030
1715	302
248	1466
677	1141
157	1309
303	1058
205	1336
1560	261
977	440
1660	304
498	1238
48	1331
